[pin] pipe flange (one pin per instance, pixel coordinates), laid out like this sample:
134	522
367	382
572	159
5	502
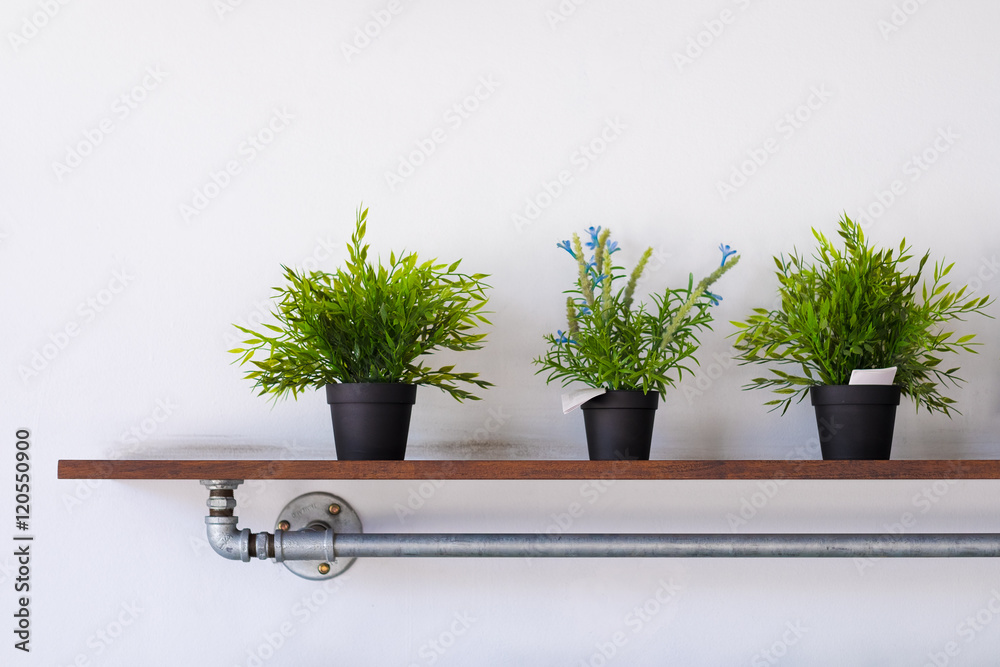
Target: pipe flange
213	484
312	511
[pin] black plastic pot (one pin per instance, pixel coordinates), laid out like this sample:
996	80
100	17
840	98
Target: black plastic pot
855	421
620	425
370	420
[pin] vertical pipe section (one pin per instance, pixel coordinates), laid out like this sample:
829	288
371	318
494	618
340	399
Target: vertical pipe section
227	540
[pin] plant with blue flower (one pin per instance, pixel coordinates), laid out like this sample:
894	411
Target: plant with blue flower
615	344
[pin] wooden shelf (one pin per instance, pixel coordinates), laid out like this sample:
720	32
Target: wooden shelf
540	470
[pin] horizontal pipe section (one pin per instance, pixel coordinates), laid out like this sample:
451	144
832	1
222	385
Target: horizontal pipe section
529	545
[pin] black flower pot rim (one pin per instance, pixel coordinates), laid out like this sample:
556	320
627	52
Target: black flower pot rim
371	392
616	399
855	394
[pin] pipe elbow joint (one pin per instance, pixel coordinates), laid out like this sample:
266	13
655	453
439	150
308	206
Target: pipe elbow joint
226	539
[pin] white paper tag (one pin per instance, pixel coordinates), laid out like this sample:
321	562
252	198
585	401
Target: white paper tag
575	399
873	376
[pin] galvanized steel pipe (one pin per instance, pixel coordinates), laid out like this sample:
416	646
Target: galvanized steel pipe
304	545
229	541
533	545
319	542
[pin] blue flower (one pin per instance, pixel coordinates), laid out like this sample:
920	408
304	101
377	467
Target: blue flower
594	233
613	246
584	310
598	279
561	337
567	247
726	252
714	297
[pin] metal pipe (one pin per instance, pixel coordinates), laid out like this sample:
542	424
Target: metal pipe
319	542
226	539
310	544
528	545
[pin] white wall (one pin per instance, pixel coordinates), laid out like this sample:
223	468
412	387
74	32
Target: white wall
888	91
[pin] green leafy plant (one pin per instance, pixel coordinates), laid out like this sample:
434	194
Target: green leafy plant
368	323
615	344
858	308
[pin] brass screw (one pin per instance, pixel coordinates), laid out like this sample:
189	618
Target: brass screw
284	525
324	568
333	509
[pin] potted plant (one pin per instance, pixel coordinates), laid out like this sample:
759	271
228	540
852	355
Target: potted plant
857	308
361	333
631	351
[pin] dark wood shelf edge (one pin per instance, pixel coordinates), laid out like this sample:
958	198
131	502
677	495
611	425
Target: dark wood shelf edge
529	469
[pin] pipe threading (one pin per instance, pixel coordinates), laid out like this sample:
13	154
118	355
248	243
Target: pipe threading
221	502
